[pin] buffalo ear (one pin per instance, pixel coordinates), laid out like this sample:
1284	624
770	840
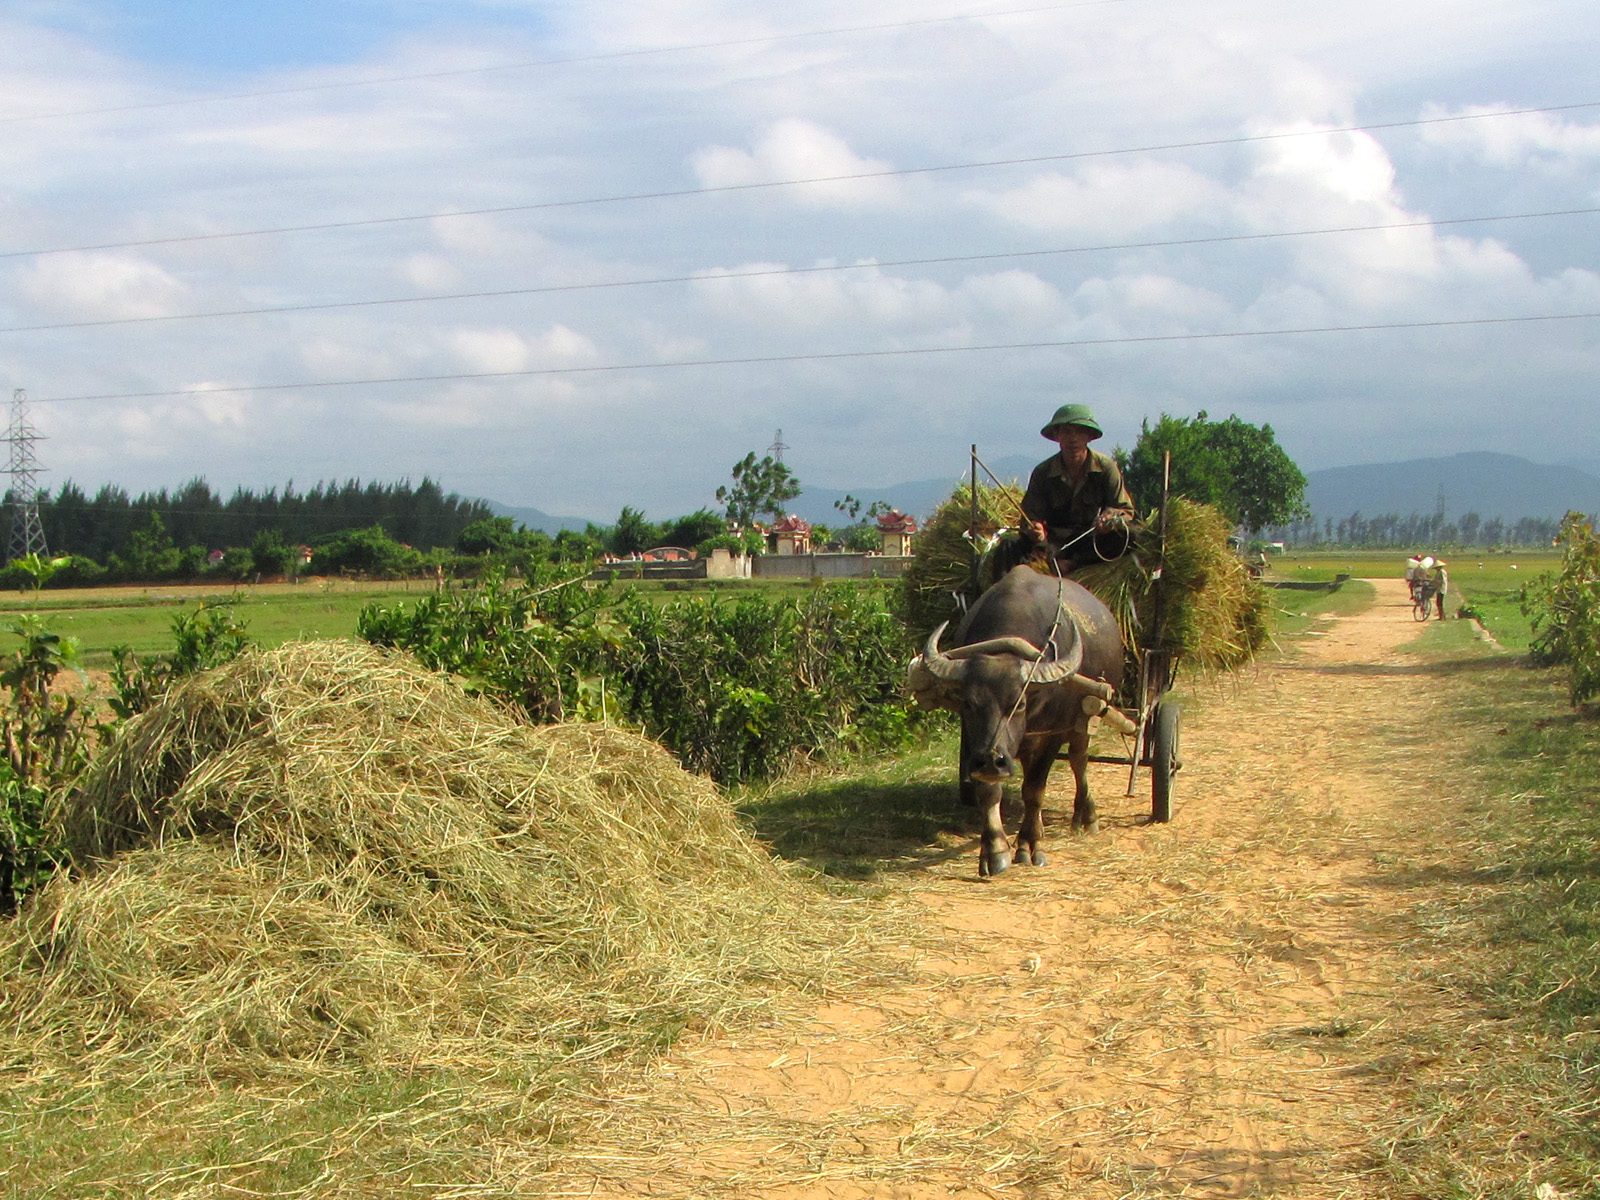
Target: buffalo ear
930	691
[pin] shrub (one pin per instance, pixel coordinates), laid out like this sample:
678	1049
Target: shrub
368	551
1564	609
207	637
46	746
532	645
736	689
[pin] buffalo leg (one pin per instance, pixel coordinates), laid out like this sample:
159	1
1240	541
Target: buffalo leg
1084	817
969	787
996	855
1030	836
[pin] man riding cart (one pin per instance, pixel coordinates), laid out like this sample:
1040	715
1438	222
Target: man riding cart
1077	507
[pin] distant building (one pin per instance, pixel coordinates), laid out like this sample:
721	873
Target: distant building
214	559
897	529
791	535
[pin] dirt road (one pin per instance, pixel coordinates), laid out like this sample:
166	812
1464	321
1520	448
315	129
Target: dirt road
1200	1008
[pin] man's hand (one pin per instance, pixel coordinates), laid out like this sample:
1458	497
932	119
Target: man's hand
1033	531
1112	518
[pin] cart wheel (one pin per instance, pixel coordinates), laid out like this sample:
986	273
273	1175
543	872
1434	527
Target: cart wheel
1164	760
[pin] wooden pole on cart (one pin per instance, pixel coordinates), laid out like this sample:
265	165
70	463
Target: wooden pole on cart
972	528
1152	671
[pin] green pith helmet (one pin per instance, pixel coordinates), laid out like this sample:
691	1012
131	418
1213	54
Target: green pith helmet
1072	414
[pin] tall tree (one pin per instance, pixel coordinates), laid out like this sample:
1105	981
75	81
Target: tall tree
763	486
1236	466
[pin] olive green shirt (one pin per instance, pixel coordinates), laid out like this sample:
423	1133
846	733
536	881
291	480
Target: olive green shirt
1066	511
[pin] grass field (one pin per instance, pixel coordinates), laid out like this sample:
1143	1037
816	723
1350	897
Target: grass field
1487	583
141	617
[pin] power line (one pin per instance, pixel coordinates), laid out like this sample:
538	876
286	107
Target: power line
456	377
562	61
678	193
503	293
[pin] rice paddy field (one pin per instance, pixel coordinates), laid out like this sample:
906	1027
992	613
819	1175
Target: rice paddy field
140	617
1487	583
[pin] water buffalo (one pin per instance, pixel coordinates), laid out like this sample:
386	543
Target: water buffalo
1033	662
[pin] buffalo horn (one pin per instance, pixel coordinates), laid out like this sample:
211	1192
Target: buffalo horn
1064	667
1000	645
936	662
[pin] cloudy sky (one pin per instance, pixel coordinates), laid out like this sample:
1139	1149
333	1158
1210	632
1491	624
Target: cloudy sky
1131	203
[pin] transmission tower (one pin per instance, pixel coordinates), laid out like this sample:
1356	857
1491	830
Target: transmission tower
27	534
777	448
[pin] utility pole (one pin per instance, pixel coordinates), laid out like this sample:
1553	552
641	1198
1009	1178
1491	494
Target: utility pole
775	451
27	534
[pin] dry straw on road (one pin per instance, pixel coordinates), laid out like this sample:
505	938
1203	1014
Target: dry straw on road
323	854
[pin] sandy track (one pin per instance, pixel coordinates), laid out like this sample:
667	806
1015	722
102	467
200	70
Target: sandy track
1178	1009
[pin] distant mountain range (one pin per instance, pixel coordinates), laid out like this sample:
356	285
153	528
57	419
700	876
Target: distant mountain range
534	518
1489	484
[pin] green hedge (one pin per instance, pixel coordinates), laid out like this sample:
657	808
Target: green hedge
737	688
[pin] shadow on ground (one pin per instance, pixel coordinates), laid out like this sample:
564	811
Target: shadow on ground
857	829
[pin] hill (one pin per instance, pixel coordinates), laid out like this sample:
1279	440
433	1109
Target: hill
534	518
1489	484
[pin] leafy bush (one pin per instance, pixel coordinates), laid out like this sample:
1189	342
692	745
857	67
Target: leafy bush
536	645
207	637
46	745
368	551
736	689
1564	609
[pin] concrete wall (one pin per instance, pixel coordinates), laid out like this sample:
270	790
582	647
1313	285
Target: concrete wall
829	566
763	566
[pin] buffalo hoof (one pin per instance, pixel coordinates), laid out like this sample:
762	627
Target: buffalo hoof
1039	860
993	864
1092	825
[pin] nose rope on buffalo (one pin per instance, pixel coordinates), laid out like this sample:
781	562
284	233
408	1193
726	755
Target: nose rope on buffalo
1033	666
1050	639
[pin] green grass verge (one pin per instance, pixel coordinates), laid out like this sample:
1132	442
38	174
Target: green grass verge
866	818
1510	1090
1296	612
142	618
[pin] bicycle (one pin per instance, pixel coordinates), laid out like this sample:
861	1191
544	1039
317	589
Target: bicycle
1422	604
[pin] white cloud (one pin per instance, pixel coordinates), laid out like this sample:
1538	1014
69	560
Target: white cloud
429	271
1106	200
490	350
797	149
97	285
1515	139
997	88
809	300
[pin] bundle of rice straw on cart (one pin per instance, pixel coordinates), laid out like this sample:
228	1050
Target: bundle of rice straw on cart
1213	614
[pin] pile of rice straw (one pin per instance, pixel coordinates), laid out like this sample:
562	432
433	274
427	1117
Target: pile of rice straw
324	853
1215	615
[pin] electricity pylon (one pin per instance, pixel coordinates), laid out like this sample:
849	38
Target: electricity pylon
27	534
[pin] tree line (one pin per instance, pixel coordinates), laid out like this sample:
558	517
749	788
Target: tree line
100	526
1416	529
